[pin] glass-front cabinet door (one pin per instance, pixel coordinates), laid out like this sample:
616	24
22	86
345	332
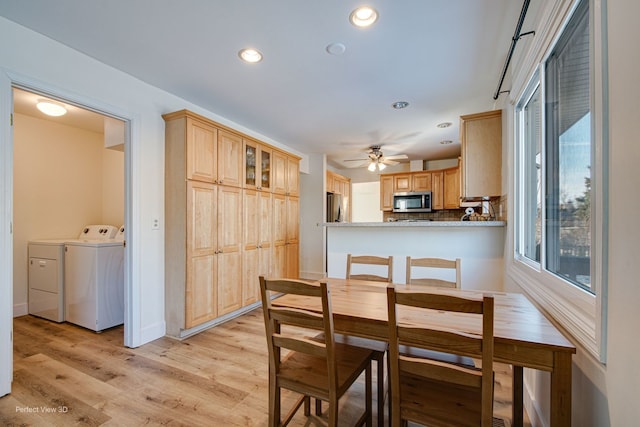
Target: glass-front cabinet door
265	169
257	166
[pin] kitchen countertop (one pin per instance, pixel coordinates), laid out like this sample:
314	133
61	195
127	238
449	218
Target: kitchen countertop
418	223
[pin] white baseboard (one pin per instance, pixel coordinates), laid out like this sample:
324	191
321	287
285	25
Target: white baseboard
20	309
312	275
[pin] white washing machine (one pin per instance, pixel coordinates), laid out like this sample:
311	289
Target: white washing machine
94	278
46	279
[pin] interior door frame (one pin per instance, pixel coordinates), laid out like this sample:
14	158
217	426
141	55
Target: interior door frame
9	80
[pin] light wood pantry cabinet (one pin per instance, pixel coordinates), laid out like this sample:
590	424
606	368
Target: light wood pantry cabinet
481	154
220	229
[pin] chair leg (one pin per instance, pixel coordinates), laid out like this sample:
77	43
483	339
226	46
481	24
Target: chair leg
318	407
380	374
369	396
333	412
274	404
307	406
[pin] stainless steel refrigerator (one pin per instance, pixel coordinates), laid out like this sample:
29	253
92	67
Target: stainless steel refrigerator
336	211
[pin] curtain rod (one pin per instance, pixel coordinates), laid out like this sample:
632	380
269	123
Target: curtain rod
516	36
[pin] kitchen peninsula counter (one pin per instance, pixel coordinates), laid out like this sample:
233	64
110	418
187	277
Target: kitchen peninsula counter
419	223
479	244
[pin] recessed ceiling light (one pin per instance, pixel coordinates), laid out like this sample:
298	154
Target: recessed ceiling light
51	108
399	105
363	16
446	142
336	49
444	125
250	55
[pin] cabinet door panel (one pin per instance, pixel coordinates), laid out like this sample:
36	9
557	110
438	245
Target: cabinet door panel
452	188
251	212
279	174
421	181
250	282
230	159
293	177
229	219
437	190
293	219
386	193
401	182
200	290
229	282
201	151
201	211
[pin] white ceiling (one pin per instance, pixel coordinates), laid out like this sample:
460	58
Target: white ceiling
444	57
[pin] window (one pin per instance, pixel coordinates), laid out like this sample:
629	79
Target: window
568	153
559	246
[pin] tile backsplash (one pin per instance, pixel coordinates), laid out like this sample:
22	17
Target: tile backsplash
498	210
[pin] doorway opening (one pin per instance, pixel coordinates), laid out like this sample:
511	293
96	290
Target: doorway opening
69	173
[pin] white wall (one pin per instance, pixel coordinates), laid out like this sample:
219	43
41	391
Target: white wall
312	208
365	202
604	394
64	179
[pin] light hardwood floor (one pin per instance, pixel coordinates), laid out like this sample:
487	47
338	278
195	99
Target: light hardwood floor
66	375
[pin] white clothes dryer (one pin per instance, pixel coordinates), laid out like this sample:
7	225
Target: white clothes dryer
46	279
94	278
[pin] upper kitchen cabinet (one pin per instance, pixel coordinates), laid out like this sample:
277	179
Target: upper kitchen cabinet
207	153
481	140
257	167
286	174
386	193
412	181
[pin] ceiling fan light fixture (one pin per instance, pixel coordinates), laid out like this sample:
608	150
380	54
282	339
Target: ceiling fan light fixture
381	166
51	108
250	55
363	16
372	167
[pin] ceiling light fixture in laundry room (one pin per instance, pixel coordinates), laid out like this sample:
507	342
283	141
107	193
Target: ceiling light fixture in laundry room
51	108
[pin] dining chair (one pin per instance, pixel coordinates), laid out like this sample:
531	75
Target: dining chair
379	347
372	261
438	393
431	263
320	369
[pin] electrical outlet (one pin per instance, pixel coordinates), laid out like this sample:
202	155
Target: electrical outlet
155	224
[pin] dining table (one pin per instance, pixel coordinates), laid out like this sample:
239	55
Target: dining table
523	336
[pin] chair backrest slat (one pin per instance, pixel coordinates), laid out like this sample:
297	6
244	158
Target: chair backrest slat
438	263
370	260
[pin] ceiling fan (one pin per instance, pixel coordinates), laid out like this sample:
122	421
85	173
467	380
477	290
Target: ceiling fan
377	160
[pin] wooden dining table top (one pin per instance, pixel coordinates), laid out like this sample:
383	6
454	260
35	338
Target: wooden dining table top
360	308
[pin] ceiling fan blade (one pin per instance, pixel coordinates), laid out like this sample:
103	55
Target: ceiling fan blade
355	160
386	161
358	165
396	157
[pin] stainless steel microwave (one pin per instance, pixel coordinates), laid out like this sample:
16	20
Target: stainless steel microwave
412	202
